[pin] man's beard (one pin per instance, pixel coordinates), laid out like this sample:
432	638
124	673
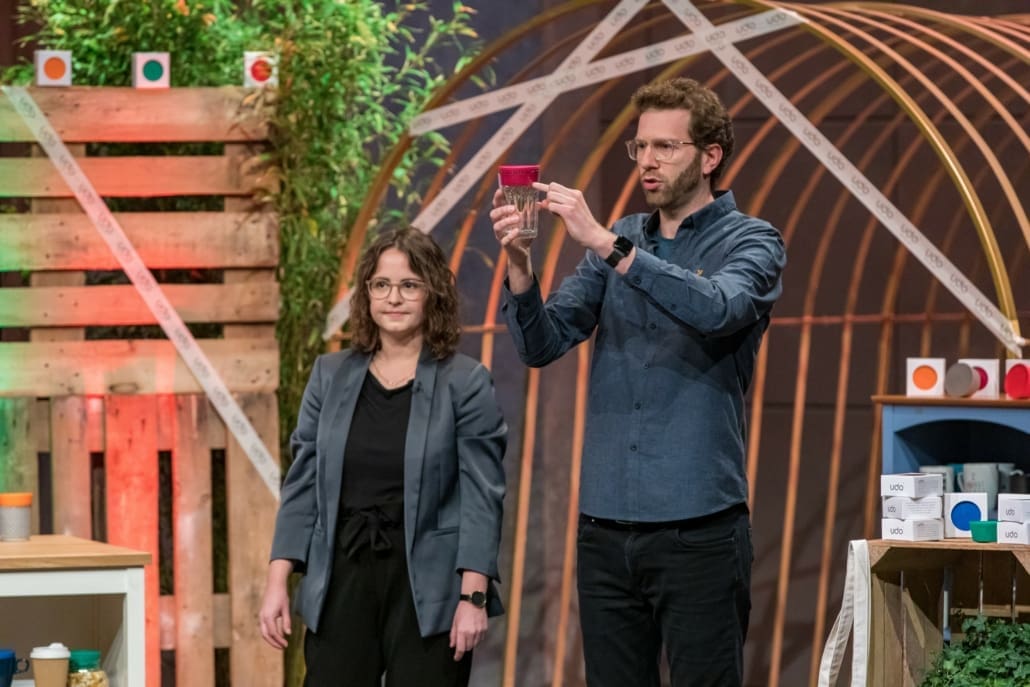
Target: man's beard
677	193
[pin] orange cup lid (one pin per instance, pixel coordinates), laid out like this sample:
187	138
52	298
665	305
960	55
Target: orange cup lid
16	498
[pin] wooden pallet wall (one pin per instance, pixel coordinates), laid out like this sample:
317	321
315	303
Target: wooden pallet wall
86	420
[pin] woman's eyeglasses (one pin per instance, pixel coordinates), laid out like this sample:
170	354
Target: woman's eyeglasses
410	289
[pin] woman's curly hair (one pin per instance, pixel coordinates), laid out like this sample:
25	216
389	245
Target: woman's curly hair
440	327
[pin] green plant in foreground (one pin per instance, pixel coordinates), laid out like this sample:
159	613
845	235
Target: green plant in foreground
993	653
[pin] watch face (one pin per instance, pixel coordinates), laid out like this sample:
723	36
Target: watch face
478	599
623	244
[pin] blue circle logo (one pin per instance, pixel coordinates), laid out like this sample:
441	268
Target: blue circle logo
964	513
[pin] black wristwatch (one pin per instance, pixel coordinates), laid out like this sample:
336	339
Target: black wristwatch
621	249
477	599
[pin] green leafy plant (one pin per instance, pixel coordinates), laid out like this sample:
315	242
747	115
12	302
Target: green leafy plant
993	653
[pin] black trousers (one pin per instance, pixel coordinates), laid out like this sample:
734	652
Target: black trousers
369	627
687	586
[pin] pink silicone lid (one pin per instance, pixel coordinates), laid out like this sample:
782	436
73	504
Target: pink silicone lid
518	175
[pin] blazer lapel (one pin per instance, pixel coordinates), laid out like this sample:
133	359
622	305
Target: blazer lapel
422	395
338	409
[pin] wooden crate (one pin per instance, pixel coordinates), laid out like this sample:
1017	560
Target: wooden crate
907	599
85	423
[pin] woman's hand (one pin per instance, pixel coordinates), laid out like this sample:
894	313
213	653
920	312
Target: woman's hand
275	608
468	628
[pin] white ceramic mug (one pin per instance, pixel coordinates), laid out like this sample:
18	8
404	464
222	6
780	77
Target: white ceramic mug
946	471
1005	471
981	477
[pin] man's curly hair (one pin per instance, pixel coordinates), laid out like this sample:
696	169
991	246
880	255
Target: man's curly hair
709	121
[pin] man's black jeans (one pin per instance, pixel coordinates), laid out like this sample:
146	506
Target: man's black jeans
687	584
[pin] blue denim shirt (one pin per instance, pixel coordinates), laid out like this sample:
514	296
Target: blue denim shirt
673	357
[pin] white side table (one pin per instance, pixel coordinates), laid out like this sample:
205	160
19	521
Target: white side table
58	566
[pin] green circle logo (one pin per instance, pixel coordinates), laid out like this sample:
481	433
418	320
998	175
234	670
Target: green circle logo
152	70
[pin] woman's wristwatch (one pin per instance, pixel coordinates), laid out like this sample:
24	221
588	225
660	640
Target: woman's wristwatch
477	599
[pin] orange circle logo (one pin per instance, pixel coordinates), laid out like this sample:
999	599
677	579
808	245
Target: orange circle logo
54	68
924	377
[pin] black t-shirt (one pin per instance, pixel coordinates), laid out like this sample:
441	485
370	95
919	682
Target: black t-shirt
373	460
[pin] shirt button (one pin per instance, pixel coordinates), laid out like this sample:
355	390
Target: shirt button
647	365
636	406
653	326
633	447
636	280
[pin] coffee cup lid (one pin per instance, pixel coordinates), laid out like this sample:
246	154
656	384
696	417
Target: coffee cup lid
54	650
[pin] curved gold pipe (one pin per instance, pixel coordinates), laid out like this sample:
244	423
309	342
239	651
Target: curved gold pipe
964	23
1016	30
991	246
973	55
977	83
934	287
937	142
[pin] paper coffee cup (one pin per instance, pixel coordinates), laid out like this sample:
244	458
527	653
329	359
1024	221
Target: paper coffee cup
50	665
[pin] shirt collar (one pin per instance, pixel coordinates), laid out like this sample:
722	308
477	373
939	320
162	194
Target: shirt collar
723	205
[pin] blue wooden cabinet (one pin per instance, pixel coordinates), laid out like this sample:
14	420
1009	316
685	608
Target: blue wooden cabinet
927	431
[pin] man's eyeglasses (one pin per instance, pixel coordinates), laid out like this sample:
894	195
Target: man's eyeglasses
662	150
410	289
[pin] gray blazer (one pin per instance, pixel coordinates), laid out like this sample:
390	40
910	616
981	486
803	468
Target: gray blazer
453	482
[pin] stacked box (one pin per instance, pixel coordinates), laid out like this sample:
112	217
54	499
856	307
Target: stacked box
1014	518
912	506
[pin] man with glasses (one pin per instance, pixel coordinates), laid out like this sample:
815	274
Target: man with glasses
679	299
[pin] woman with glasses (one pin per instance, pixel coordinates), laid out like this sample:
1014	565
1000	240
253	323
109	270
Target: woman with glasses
392	507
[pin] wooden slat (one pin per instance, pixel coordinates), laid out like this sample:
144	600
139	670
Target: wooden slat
19	469
221	629
90	114
131	479
252	302
191	506
37	279
136	177
135	366
164	240
253	277
251	509
73	420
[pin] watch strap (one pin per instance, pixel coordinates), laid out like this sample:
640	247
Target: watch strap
620	250
477	599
